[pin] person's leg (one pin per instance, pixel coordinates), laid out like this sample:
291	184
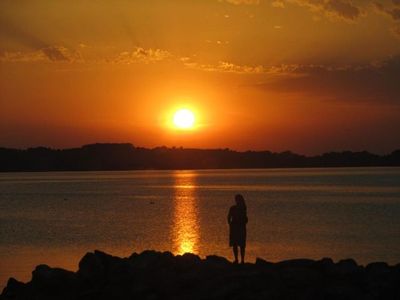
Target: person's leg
242	253
235	252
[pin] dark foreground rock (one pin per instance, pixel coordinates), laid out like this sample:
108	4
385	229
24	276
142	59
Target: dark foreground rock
156	275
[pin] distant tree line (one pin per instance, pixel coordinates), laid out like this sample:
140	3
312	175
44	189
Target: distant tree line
127	157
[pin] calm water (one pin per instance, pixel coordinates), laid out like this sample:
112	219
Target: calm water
55	218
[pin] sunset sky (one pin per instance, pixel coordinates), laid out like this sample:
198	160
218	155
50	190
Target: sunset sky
304	75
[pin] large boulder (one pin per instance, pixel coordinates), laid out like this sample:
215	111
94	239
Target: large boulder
52	283
91	269
14	289
149	259
263	263
296	263
187	261
98	267
160	275
45	277
324	265
217	261
377	269
346	267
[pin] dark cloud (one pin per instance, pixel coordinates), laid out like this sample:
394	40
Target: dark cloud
343	9
377	82
8	30
15	33
49	54
393	12
396	30
239	2
55	53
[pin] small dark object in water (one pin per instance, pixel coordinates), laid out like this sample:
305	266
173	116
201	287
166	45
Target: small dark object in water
151	202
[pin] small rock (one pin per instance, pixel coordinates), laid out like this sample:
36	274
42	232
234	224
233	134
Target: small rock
263	263
217	260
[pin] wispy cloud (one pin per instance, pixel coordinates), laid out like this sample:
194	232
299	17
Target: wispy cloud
18	56
377	82
396	30
40	49
49	54
334	9
278	4
225	67
63	54
59	53
142	55
239	2
391	11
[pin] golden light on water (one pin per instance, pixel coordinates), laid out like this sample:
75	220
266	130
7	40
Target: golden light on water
185	229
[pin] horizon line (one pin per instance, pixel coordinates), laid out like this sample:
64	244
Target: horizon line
191	148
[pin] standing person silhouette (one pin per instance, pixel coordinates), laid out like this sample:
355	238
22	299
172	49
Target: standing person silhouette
237	220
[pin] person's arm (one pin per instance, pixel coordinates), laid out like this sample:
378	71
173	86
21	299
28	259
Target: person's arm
230	216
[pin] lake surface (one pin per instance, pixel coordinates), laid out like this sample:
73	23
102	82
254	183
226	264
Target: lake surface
55	218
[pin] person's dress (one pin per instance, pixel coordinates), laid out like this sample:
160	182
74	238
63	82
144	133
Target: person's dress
237	226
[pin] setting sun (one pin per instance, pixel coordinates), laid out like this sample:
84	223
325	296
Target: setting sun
184	119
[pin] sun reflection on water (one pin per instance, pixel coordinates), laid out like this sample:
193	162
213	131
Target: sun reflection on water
185	230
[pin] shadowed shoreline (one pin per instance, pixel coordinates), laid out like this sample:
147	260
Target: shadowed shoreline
161	275
103	157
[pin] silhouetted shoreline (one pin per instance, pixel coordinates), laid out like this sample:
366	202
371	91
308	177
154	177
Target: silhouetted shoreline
161	275
98	157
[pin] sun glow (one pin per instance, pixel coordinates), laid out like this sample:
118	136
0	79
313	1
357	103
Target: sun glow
184	119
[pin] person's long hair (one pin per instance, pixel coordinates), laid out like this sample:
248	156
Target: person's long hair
240	202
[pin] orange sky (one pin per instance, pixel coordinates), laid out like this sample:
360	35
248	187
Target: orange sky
302	75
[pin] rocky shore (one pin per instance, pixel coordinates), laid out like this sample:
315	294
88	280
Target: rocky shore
161	275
